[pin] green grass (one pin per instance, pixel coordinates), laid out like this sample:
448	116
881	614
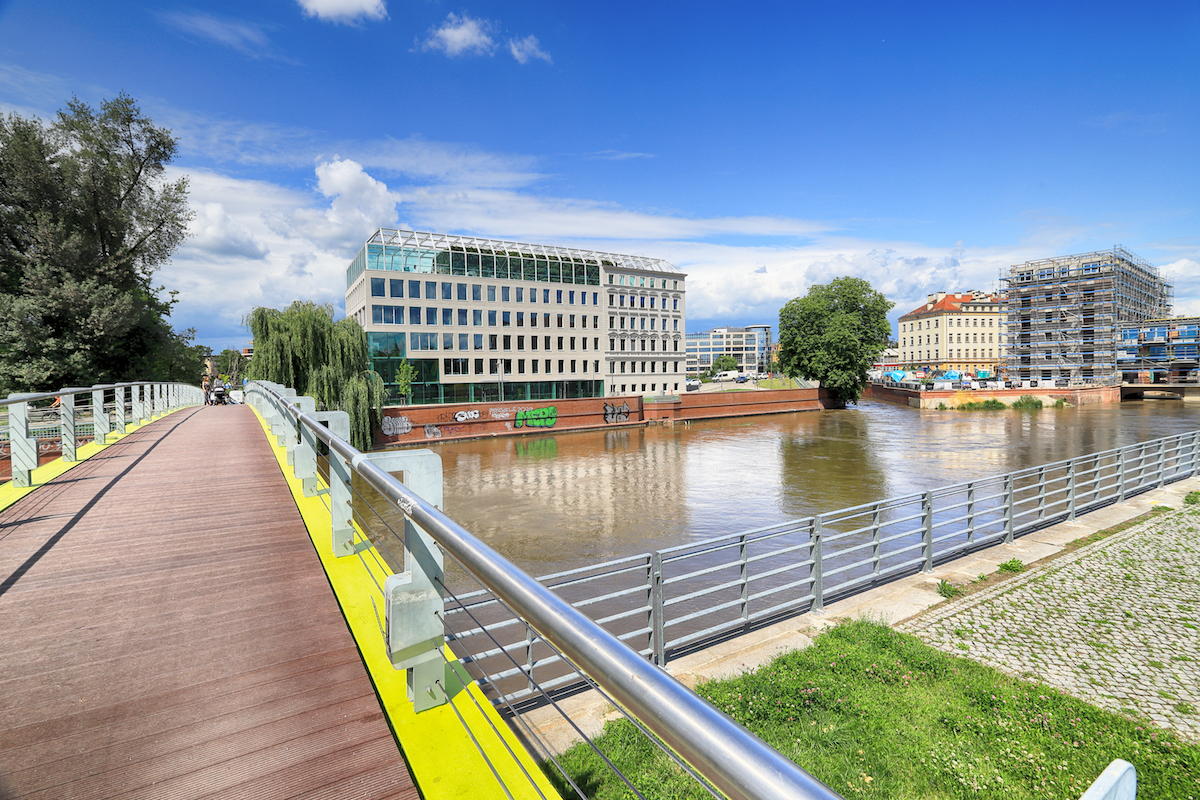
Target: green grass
1192	498
875	713
1027	401
991	404
1012	565
777	383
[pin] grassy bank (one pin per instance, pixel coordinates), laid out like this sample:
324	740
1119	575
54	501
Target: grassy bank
872	712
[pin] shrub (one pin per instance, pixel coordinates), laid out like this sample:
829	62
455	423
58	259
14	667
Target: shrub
1192	498
947	589
1027	401
1012	565
991	404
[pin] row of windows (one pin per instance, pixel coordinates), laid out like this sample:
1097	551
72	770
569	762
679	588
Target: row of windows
395	315
952	322
634	280
619	300
465	341
976	338
633	387
618	367
505	266
929	354
533	366
433	290
635	325
613	345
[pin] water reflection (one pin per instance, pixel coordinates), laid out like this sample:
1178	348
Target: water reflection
558	501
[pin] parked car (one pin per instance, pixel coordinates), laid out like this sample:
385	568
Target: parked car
741	379
693	384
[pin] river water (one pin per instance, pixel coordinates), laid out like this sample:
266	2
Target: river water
557	501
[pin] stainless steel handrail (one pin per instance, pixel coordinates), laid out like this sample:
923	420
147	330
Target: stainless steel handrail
725	753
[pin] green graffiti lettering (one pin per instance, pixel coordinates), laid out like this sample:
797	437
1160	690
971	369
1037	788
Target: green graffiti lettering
537	417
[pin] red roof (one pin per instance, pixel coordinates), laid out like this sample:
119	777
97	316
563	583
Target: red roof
949	303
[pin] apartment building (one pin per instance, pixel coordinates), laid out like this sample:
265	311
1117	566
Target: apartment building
751	347
952	331
486	319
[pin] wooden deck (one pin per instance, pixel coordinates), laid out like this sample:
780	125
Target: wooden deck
167	631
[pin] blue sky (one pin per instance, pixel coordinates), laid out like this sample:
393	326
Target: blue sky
761	148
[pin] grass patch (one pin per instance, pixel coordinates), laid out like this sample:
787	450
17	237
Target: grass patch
1192	498
1027	401
1012	565
947	589
1092	538
991	404
875	713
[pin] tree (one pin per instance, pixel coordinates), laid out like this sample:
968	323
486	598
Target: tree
86	218
302	347
723	363
231	363
833	334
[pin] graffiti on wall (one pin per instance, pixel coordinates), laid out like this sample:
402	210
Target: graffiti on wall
463	416
395	426
433	432
616	413
536	417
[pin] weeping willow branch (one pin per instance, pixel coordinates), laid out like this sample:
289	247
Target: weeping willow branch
302	347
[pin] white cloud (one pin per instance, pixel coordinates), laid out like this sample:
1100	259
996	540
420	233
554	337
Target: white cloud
358	205
615	155
1185	275
344	10
217	234
461	36
524	49
247	38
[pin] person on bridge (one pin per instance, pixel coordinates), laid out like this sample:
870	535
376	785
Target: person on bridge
205	385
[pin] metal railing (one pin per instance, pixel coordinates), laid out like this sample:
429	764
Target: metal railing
402	534
680	599
30	427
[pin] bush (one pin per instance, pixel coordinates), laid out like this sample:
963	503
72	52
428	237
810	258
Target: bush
1027	401
1012	565
1192	498
947	589
991	404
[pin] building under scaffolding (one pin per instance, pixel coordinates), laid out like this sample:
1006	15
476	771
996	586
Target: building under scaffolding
1161	351
1062	318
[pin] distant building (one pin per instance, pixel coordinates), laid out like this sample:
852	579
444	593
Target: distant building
1160	350
751	348
485	319
1063	316
952	332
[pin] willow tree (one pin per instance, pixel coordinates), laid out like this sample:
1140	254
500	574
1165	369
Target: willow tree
302	347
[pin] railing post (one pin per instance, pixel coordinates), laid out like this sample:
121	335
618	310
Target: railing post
119	405
1121	475
156	398
1010	498
971	513
1195	453
1071	489
817	572
307	405
100	427
743	576
1041	493
1162	462
66	425
656	609
22	448
875	543
927	530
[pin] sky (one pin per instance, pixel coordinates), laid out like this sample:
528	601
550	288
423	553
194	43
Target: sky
761	148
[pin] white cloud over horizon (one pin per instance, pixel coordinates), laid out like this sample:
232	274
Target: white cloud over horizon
248	38
346	11
464	35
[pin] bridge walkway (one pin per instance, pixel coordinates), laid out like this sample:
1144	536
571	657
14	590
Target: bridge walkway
168	632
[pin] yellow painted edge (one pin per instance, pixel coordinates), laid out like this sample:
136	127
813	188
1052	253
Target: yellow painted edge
443	761
10	494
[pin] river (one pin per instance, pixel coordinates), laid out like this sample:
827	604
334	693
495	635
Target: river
557	501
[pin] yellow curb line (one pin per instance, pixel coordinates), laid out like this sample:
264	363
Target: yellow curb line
443	760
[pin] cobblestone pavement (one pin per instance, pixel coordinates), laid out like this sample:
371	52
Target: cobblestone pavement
1116	623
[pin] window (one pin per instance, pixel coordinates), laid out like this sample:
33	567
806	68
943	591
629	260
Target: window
479	366
560	320
520	366
447	341
431	316
493	342
545	320
572	366
547	347
572	321
414	315
558	296
479	344
520	319
547	366
560	366
534	364
396	287
422	341
520	295
504	295
612	300
491	319
506	319
462	291
491	294
454	366
476	292
583	319
477	317
447	315
533	342
560	343
431	290
377	287
572	342
462	317
596	343
570	298
462	342
595	298
520	342
507	342
643	303
493	366
545	298
585	343
447	291
675	304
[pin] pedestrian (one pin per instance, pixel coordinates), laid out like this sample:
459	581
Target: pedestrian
205	385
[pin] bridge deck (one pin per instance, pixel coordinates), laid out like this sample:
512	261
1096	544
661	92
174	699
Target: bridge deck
168	632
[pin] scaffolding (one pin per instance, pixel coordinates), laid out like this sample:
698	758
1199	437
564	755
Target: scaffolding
1062	317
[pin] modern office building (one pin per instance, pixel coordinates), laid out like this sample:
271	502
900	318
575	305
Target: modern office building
952	331
485	320
1063	316
750	347
1160	351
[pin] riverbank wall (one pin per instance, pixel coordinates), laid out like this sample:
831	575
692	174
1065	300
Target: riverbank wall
406	425
1078	396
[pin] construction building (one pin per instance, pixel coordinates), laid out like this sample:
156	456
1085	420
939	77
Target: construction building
1062	317
952	331
485	319
1160	351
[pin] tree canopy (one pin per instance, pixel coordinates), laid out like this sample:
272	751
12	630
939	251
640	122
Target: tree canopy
833	334
303	348
86	218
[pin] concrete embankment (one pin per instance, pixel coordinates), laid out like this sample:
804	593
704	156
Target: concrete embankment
405	425
1078	396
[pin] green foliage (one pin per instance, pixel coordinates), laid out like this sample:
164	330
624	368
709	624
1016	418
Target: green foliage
1192	498
1012	565
233	364
991	404
302	347
1060	403
723	363
875	713
947	589
833	334
1027	401
87	216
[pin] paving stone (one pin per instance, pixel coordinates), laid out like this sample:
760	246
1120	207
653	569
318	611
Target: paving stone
1114	623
